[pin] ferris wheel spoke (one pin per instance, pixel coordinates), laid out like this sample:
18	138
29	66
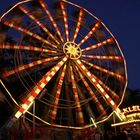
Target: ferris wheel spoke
92	95
63	8
117	58
44	6
96	83
57	96
104	70
27	66
112	93
97	25
30	15
18	28
78	25
108	41
38	88
27	48
68	98
76	98
86	105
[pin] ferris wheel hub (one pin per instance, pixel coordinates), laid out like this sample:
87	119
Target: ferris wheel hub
72	50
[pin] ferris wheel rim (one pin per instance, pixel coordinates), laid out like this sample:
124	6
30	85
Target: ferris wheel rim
81	54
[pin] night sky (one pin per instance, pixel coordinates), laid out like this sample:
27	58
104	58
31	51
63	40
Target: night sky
122	17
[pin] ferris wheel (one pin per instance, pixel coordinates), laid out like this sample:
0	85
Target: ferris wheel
65	60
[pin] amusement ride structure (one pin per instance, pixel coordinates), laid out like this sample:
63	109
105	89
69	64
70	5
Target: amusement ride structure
60	64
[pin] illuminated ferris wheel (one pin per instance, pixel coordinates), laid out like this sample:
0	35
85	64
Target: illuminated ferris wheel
65	60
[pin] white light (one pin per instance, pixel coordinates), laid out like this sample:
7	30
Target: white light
31	64
39	61
106	95
80	115
118	110
37	91
93	122
61	63
101	89
93	79
18	114
56	68
31	99
65	59
53	73
54	112
83	67
118	115
48	78
25	106
112	102
21	68
36	49
42	85
78	62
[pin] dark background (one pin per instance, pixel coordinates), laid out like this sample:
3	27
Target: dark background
122	17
